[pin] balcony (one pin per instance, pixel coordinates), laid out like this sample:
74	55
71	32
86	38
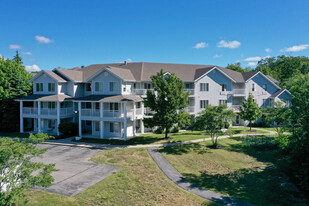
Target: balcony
110	113
235	108
191	91
189	109
30	110
47	111
239	92
140	91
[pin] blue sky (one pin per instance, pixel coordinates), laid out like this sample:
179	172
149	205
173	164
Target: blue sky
74	33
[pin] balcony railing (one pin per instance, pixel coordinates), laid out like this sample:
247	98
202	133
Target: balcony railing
66	111
30	110
140	91
238	91
148	111
191	91
189	109
235	108
48	112
90	112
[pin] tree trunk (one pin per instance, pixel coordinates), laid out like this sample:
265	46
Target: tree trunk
250	125
166	131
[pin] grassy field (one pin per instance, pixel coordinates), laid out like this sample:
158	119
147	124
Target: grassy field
173	137
139	182
249	169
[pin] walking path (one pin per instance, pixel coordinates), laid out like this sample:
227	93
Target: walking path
182	182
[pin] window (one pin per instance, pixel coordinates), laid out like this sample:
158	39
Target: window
99	86
97	106
113	86
97	126
51	105
88	105
88	87
51	124
223	87
204	87
222	101
39	87
88	123
138	105
253	87
114	127
265	87
147	85
113	106
203	104
51	87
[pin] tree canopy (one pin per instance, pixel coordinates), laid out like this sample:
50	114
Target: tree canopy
237	67
167	101
249	110
212	119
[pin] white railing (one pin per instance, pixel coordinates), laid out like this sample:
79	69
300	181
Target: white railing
189	109
30	110
235	108
140	91
49	112
239	91
66	111
139	111
90	112
112	113
191	91
148	111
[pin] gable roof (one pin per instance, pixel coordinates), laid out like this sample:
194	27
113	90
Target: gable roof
51	74
72	74
278	93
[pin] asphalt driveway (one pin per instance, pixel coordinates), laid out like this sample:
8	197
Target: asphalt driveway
75	173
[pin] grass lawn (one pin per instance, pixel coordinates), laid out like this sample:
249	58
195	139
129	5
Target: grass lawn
139	182
14	134
245	169
159	138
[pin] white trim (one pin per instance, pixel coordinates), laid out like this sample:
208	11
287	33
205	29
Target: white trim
40	73
272	82
222	72
99	72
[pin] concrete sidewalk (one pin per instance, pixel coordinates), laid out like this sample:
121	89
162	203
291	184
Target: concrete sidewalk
182	182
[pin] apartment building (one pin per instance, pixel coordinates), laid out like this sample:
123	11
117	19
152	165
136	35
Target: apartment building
106	99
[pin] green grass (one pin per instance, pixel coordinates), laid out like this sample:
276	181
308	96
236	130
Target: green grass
173	137
14	134
249	169
138	182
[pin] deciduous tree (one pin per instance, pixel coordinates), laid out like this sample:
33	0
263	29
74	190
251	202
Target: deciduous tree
249	110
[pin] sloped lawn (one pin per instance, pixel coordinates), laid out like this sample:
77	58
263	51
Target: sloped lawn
249	169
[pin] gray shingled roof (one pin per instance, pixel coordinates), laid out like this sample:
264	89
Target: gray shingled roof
274	95
75	75
272	79
110	98
37	97
54	75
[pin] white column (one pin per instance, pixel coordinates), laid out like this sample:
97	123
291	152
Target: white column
79	119
21	117
39	119
142	122
125	121
134	119
58	117
101	121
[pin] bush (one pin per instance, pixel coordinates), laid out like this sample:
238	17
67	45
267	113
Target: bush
68	129
226	125
175	129
159	130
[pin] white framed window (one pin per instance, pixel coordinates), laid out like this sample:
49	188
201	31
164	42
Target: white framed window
39	87
113	106
204	87
147	85
222	101
114	127
51	105
203	104
265	87
98	86
253	87
113	86
51	87
223	87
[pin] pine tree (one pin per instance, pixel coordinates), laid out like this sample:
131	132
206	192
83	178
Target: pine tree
17	58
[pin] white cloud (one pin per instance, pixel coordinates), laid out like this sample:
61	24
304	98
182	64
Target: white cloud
27	53
295	48
43	39
200	45
268	50
33	68
229	44
15	46
249	59
129	60
217	56
251	64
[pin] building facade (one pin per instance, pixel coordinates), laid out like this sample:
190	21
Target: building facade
106	99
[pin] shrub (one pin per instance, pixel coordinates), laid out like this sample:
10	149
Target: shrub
175	129
159	130
68	129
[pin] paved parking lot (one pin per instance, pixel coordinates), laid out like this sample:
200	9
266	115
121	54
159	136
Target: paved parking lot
75	173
